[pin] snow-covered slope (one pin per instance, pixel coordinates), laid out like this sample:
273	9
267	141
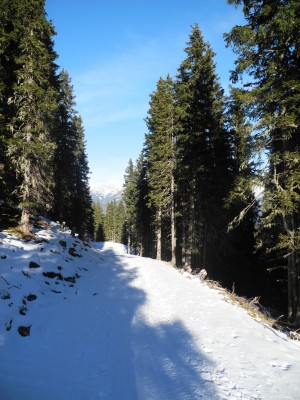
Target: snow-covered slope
102	324
106	193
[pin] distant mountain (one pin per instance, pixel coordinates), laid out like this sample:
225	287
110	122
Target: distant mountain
106	193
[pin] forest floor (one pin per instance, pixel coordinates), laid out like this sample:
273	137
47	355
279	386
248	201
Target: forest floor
91	323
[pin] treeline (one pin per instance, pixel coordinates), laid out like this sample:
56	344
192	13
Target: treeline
110	225
43	163
217	185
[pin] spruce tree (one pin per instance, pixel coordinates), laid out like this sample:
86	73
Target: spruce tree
160	155
81	199
110	225
120	221
144	215
138	216
32	103
66	142
72	199
130	199
203	159
241	203
98	222
114	221
7	78
268	51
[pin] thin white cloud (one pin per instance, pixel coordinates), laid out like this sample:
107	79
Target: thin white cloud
112	94
122	74
117	88
134	111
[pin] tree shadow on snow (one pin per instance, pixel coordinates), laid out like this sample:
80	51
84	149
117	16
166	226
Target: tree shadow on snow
140	361
104	348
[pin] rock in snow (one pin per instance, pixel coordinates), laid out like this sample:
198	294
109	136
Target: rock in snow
128	328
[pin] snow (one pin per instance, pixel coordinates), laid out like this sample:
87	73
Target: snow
106	193
107	189
115	326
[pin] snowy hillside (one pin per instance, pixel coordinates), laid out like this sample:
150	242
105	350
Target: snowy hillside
106	193
81	323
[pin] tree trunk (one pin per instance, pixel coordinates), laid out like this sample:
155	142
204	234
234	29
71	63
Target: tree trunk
141	250
128	245
26	193
158	235
183	241
188	244
204	245
297	316
25	221
190	232
173	231
293	278
293	290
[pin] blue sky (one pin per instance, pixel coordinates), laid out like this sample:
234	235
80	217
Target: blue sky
115	51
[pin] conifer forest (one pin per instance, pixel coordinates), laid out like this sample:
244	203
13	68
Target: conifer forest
217	182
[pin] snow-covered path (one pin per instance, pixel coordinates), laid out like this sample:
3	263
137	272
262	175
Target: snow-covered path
133	328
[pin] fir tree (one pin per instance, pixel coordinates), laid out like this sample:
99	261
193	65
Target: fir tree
130	199
160	153
30	108
268	51
72	199
115	221
7	78
98	222
137	226
246	271
65	137
110	225
81	199
203	159
144	215
120	221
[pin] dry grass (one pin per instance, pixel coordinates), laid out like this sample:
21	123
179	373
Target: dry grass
252	306
256	310
295	335
9	222
17	232
41	224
